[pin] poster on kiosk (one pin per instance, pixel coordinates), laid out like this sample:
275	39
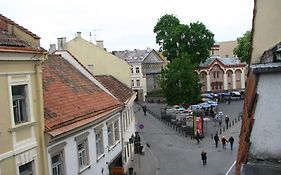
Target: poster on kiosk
198	125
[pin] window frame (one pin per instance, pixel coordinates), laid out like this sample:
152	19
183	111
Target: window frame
83	138
99	143
32	168
13	80
137	70
61	153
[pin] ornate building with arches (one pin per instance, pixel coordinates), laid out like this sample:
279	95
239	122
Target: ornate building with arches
222	74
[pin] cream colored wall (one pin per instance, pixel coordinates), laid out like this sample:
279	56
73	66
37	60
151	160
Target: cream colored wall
226	48
266	27
25	69
24	36
104	62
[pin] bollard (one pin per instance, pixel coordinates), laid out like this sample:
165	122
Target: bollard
223	129
220	130
230	125
212	136
233	122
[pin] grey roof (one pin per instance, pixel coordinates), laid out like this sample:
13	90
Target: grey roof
226	61
132	55
266	67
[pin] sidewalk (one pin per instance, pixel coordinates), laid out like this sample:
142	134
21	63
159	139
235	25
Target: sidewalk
144	164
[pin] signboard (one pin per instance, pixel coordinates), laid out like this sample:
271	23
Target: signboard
117	170
199	125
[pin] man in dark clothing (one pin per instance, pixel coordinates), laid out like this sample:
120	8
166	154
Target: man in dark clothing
144	109
198	137
223	141
226	121
231	140
204	157
216	138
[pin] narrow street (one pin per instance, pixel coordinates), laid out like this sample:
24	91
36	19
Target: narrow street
178	155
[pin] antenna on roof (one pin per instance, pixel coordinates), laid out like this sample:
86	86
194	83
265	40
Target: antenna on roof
90	36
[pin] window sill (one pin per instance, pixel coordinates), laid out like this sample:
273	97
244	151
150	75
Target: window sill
113	146
100	157
21	126
84	168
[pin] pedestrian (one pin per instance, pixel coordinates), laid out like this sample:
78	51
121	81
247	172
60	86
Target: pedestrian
198	136
223	141
231	140
228	100
144	110
216	138
226	121
220	121
204	157
212	113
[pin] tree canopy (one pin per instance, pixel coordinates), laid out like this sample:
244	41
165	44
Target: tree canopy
243	48
185	46
179	82
176	39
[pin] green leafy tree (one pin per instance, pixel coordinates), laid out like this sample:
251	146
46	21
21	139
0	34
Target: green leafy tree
185	46
179	82
176	39
243	48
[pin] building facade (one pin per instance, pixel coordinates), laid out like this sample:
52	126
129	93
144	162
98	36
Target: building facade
222	74
146	66
95	58
259	144
21	121
82	119
128	128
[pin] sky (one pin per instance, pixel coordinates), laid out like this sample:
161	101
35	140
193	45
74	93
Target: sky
125	24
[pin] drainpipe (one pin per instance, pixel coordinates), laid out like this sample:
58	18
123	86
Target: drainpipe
40	111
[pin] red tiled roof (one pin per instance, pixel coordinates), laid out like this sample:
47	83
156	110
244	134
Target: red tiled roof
3	18
70	97
117	88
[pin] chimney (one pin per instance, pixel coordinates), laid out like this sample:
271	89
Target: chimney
79	34
100	43
61	43
52	48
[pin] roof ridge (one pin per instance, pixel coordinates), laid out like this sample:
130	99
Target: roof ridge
19	26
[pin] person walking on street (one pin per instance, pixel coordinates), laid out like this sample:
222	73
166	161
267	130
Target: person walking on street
220	121
198	136
231	140
144	110
223	141
216	138
204	157
226	121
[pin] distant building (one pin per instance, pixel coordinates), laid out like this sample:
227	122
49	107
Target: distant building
223	49
259	146
221	74
146	66
95	58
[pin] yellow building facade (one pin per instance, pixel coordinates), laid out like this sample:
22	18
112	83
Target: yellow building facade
21	122
96	59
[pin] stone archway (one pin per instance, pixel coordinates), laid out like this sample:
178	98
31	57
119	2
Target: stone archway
238	74
216	78
229	79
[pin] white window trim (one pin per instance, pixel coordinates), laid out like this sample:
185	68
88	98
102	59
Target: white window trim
24	81
99	129
54	150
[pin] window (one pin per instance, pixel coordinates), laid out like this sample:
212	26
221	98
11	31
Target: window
82	148
116	131
57	164
214	74
26	169
20	103
138	82
218	74
132	70
99	143
228	74
110	135
137	70
132	82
